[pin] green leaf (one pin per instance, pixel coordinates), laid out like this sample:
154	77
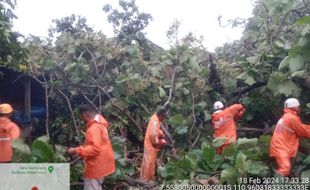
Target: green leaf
296	63
121	103
243	76
118	172
129	171
202	104
42	151
244	143
307	160
305	31
306	174
185	91
304	20
295	51
284	63
60	149
122	161
194	156
209	153
280	84
117	155
176	120
69	67
279	43
168	62
299	74
241	164
252	59
117	144
181	130
229	175
219	141
162	92
156	70
178	85
250	80
162	172
121	78
185	163
207	116
303	41
21	148
258	168
230	150
59	157
265	139
247	78
183	58
44	139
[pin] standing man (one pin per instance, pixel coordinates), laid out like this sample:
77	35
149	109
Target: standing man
285	140
153	142
223	121
8	132
97	150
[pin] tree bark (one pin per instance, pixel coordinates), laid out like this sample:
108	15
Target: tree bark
242	91
249	129
171	88
71	112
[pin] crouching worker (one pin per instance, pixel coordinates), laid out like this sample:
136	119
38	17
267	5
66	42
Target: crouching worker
285	140
223	121
154	140
8	132
97	150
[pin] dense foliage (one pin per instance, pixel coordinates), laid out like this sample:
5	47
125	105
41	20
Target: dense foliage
127	77
11	52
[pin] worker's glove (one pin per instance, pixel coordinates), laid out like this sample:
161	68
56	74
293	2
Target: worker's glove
239	115
71	150
161	143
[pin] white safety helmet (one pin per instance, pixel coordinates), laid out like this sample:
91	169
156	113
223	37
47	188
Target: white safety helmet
218	105
291	103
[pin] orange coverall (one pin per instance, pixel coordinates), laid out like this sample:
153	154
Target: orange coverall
224	124
97	151
285	140
151	141
8	132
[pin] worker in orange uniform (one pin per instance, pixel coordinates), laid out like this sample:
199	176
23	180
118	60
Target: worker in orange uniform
285	138
97	150
8	132
223	121
154	140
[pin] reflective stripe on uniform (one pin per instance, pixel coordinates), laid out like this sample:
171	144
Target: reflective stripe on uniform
155	130
219	123
5	139
222	121
97	118
280	126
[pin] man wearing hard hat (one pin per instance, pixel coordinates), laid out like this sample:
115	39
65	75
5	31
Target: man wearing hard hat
8	132
285	139
223	121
